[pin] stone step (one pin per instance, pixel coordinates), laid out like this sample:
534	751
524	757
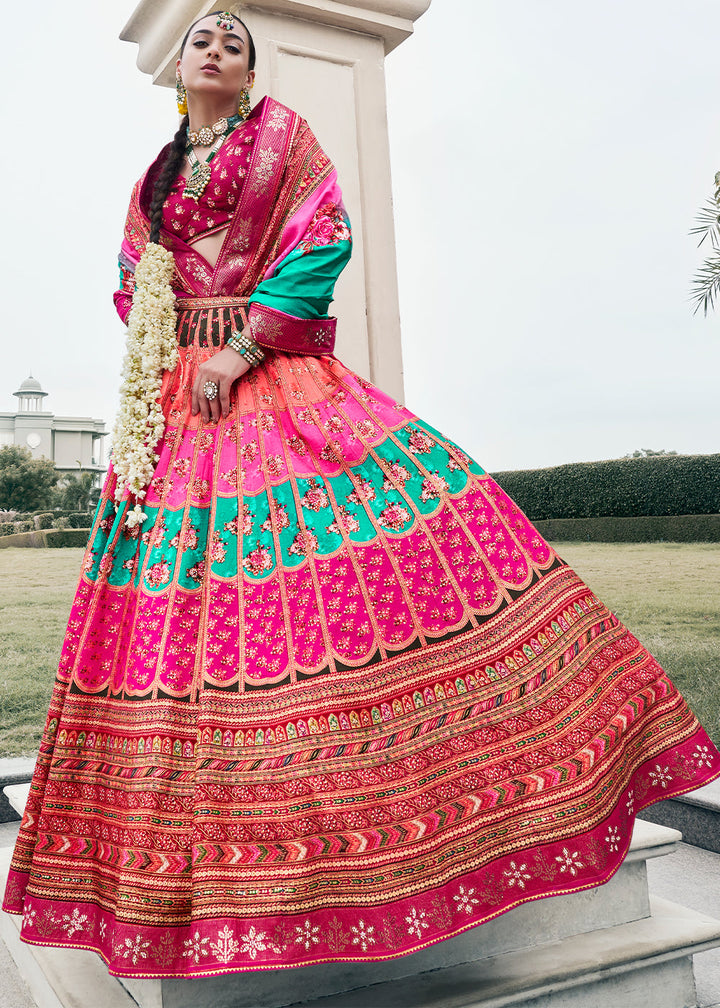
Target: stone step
642	964
15	770
696	815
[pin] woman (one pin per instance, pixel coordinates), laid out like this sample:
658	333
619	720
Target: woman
325	692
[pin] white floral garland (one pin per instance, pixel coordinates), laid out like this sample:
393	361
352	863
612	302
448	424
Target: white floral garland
151	348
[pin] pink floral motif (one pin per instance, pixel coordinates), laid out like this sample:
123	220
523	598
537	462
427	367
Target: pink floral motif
181	466
189	539
398	473
394	517
200	487
197	573
158	574
304	543
328	227
433	486
219	549
366	491
367	429
282	518
315	498
155	535
249	451
298	445
346	521
331	452
275	464
420	442
259	560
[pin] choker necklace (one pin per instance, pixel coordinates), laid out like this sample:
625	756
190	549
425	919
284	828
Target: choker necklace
199	175
206	134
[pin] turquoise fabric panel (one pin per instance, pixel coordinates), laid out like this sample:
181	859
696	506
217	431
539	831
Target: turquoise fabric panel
304	283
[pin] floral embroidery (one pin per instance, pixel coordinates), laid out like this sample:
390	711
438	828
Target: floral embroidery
702	757
363	935
282	518
158	574
328	227
197	572
307	935
661	775
517	875
134	950
258	561
315	498
433	486
465	901
394	517
303	543
416	923
569	862
612	838
195	947
227	947
420	443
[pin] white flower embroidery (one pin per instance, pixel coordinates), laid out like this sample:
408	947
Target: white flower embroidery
195	947
661	775
569	862
630	804
465	901
416	923
277	119
307	935
517	875
613	838
226	946
74	922
28	916
702	756
363	935
103	928
134	950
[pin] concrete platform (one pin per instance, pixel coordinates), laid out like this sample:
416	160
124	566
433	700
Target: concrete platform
696	815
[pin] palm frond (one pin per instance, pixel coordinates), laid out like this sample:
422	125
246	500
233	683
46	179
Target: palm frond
706	289
707	224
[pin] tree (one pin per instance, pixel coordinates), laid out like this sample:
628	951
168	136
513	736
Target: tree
25	483
75	493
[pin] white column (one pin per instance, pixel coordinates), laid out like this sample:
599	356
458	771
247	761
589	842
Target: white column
325	59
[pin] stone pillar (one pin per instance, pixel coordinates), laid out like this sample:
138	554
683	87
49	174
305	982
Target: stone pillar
325	59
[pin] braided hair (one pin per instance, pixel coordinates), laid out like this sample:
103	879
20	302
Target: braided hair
176	151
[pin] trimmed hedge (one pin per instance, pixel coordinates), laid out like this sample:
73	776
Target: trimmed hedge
47	538
650	528
622	488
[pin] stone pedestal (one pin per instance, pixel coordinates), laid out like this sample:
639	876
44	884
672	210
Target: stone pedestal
326	60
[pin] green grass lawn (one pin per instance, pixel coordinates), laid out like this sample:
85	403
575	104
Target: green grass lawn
666	592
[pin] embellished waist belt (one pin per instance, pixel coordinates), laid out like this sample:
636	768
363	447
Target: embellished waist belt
209	321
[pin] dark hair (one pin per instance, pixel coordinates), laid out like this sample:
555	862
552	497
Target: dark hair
176	151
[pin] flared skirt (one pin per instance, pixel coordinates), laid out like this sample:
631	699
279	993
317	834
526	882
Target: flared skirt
336	699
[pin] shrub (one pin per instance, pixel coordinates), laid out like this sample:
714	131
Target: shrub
24	526
59	538
648	528
658	485
7	528
44	521
61	523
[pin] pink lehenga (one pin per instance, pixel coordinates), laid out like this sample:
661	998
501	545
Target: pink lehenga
336	699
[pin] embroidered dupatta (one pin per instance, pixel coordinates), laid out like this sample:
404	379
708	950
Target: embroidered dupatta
289	217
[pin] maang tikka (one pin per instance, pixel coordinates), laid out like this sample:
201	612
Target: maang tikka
226	21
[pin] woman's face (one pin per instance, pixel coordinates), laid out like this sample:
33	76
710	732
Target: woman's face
216	59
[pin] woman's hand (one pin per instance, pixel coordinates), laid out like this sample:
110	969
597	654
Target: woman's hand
223	368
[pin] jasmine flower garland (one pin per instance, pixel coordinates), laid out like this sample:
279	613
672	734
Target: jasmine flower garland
151	349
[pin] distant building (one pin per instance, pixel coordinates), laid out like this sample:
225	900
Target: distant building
71	443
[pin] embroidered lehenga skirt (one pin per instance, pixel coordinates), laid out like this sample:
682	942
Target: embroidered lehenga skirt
336	699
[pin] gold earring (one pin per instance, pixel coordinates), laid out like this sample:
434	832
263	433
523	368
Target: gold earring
180	94
244	107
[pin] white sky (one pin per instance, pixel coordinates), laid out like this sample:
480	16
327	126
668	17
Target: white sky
548	159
